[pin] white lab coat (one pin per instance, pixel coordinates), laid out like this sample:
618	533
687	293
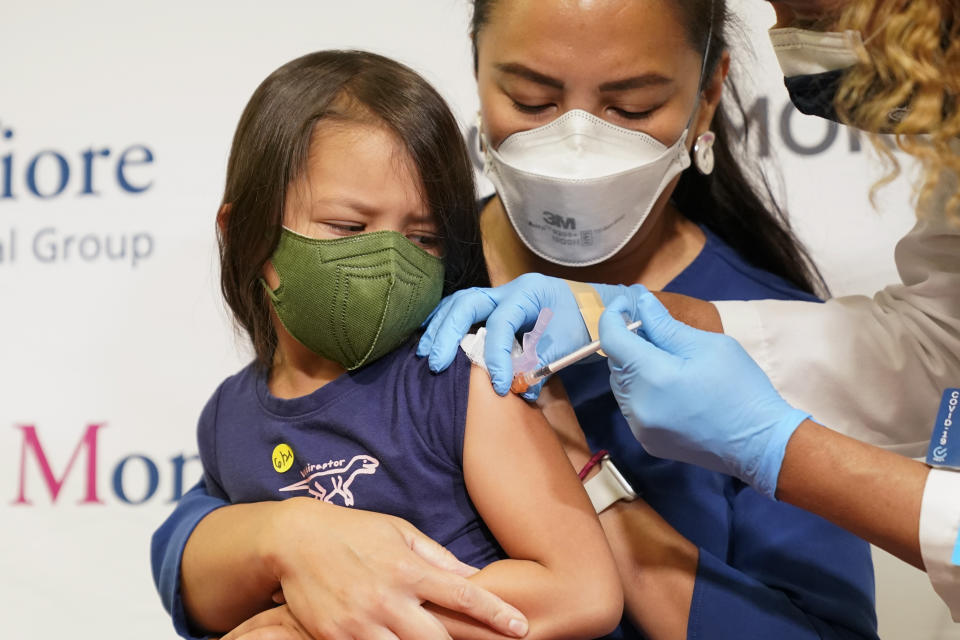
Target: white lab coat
872	368
875	368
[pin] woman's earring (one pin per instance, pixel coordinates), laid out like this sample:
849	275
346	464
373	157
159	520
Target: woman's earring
479	129
703	152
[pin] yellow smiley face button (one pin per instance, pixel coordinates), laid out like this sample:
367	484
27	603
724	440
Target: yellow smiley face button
282	457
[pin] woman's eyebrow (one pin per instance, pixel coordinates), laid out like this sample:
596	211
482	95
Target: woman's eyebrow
636	82
517	69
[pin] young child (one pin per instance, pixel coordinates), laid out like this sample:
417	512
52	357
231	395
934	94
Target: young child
348	211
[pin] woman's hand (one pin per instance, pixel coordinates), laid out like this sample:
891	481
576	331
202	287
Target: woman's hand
347	573
507	310
344	573
513	307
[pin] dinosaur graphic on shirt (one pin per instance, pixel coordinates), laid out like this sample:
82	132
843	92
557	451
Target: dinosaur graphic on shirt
324	485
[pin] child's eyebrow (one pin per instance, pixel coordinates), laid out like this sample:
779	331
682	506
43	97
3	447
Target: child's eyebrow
421	217
346	202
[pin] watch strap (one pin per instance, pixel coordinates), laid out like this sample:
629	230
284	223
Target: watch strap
608	486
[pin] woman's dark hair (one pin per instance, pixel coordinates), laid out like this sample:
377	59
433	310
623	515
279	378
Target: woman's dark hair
270	150
727	201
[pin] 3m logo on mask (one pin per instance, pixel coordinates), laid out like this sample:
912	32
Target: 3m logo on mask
556	220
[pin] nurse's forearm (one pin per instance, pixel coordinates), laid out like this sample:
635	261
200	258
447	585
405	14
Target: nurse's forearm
871	492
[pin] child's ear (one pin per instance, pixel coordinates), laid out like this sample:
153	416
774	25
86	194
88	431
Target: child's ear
223	216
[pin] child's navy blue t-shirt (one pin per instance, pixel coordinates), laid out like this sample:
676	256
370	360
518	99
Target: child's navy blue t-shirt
387	437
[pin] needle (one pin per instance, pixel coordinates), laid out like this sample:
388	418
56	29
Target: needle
523	381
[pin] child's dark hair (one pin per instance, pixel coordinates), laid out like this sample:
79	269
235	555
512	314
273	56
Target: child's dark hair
270	150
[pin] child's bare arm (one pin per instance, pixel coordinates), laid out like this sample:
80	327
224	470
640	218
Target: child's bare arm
657	565
561	574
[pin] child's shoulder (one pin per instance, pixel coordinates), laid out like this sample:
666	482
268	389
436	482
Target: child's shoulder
405	361
435	402
240	385
243	382
406	380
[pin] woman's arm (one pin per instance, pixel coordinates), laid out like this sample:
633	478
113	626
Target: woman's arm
657	565
561	574
342	571
892	501
871	492
225	545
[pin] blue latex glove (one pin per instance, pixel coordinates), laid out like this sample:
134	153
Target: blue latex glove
695	396
508	309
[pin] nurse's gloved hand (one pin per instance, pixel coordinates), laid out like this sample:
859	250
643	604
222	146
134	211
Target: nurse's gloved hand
695	396
508	309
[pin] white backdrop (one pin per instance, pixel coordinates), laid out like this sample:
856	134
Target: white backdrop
115	124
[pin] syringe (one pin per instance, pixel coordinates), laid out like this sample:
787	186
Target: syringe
525	380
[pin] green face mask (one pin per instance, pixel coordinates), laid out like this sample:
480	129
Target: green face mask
354	299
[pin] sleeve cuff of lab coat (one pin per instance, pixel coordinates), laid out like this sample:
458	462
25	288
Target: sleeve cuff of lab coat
939	522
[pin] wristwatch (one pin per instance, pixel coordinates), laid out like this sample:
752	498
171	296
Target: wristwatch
608	486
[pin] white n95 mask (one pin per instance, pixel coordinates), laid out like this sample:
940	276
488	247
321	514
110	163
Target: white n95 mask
577	189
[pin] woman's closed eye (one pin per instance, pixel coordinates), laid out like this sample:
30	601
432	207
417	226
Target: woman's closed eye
633	115
530	109
618	112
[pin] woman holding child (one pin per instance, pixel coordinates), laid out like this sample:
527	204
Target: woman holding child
637	84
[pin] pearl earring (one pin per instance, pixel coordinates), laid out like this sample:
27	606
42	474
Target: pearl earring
703	152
